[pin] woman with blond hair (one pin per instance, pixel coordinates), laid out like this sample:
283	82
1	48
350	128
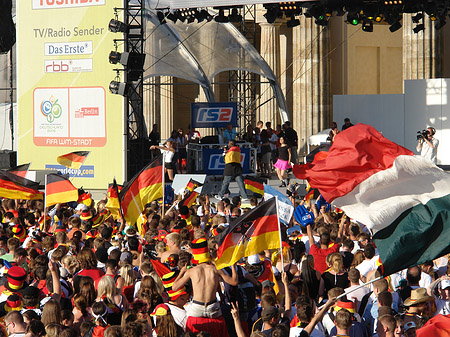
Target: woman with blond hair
129	277
168	154
115	302
334	276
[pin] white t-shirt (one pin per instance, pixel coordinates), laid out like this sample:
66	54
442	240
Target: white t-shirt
442	306
367	265
357	294
179	315
427	151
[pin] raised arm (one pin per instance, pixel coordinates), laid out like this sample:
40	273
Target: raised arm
182	279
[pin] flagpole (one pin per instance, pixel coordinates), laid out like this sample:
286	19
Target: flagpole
163	185
358	287
279	232
45	199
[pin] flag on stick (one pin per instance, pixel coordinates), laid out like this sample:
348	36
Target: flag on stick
192	185
15	187
253	232
113	203
73	159
404	199
59	189
20	170
189	199
144	187
254	184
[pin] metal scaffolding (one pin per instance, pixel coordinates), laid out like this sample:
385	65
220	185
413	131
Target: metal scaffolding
243	85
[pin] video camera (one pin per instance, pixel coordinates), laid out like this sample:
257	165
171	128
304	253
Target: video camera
422	134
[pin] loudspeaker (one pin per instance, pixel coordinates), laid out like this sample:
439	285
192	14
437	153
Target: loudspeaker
8	159
7	28
210	140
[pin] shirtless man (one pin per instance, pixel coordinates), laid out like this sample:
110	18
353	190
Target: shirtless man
173	242
204	311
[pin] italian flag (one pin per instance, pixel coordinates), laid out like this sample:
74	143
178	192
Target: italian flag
402	198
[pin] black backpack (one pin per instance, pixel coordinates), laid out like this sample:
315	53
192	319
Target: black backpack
244	293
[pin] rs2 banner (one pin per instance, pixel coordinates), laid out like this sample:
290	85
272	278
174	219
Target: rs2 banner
213	115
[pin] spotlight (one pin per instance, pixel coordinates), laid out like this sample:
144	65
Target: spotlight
293	22
118	88
418	28
161	17
367	26
117	26
172	16
221	18
204	15
352	19
440	23
272	14
396	26
417	18
318	13
235	16
378	18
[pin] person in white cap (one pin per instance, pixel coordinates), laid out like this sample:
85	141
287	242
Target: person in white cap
441	294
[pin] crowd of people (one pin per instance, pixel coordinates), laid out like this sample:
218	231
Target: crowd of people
77	270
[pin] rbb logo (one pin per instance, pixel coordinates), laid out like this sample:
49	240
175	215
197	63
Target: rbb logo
214	115
57	67
217	161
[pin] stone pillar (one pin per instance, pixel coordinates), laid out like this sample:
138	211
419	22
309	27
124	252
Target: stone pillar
311	101
270	51
152	103
166	94
421	51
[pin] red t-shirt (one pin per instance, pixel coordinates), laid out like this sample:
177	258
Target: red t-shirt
96	274
320	256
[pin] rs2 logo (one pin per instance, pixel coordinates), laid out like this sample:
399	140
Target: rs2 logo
217	161
214	115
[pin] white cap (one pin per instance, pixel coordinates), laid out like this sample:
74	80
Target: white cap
253	259
81	207
444	284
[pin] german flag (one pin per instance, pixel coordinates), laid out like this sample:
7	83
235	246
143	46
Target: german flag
189	199
192	185
254	184
145	187
20	170
59	189
113	203
15	187
73	159
255	231
309	195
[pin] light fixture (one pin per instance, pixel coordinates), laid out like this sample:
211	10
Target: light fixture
118	88
293	22
395	26
367	26
235	16
352	18
417	18
117	26
221	18
272	13
204	15
418	28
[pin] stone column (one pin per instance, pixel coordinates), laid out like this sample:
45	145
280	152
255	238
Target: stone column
270	51
152	103
311	101
421	51
166	94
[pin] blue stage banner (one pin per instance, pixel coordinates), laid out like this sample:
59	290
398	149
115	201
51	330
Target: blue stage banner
213	115
214	162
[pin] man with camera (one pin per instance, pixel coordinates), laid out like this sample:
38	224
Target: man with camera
427	145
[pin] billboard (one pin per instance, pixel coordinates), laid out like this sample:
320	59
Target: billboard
63	74
214	161
213	115
175	4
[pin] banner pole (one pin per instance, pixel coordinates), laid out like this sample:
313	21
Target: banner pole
163	185
45	200
358	287
279	233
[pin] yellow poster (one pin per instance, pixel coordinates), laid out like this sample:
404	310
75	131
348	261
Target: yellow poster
63	75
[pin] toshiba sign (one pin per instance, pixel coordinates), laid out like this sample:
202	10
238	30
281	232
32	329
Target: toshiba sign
50	4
